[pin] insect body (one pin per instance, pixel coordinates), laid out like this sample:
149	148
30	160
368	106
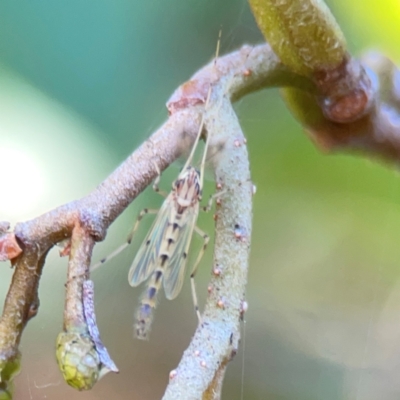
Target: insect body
163	254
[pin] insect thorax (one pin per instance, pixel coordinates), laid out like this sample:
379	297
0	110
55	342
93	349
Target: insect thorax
187	188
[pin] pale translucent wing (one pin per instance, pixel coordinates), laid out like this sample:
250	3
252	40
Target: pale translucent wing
145	260
175	271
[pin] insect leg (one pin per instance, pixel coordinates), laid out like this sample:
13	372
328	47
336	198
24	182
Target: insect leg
157	181
210	202
139	218
206	239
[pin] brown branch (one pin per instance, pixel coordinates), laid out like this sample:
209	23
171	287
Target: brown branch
101	207
81	356
94	213
234	75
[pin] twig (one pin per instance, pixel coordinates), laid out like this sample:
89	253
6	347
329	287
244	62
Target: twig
199	374
100	208
251	68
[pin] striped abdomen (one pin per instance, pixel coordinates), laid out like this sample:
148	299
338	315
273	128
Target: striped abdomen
148	302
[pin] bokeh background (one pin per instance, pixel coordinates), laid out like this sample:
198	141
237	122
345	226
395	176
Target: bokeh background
82	84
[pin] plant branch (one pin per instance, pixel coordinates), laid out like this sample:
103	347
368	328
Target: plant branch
247	69
217	338
234	75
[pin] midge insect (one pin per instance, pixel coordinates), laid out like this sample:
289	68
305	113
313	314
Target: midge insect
162	257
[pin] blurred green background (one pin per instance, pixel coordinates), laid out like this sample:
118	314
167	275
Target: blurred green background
82	84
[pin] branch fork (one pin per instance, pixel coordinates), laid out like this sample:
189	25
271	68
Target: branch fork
371	129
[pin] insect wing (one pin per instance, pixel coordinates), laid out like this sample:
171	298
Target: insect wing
175	272
145	260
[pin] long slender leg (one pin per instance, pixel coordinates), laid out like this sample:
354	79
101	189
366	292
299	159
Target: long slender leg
157	182
206	239
210	201
139	218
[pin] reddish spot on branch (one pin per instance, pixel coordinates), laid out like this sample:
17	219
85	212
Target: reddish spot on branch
191	93
65	249
9	247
